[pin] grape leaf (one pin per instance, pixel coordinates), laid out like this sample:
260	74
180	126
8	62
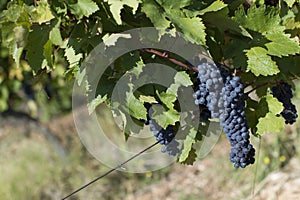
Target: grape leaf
282	45
41	13
192	28
167	98
192	156
181	79
72	57
290	3
18	43
13	13
272	121
48	53
215	6
187	145
37	38
55	35
96	102
147	99
155	14
165	118
259	63
135	107
117	5
83	8
274	105
174	4
289	65
260	19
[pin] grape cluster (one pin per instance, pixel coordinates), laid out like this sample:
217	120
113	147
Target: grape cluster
235	124
224	98
164	136
210	84
283	92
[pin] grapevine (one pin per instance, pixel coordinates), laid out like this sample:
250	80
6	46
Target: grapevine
45	48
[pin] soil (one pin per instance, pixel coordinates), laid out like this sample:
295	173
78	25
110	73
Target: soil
211	178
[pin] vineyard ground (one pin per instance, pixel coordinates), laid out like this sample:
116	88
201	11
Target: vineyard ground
27	152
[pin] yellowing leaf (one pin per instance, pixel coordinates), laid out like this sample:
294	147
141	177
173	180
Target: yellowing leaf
274	105
270	123
42	13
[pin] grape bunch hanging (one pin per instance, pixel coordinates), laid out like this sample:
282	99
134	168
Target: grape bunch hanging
222	97
283	92
163	136
225	99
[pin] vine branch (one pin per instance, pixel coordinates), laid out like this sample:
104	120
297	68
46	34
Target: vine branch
266	83
173	60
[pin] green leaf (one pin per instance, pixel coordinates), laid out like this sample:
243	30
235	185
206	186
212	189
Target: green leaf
260	19
96	102
48	53
235	51
37	38
215	6
181	79
290	3
167	98
136	108
138	69
18	43
155	14
192	156
117	5
192	28
165	118
259	63
274	105
41	13
72	57
187	145
282	45
83	8
55	35
147	99
174	4
270	123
